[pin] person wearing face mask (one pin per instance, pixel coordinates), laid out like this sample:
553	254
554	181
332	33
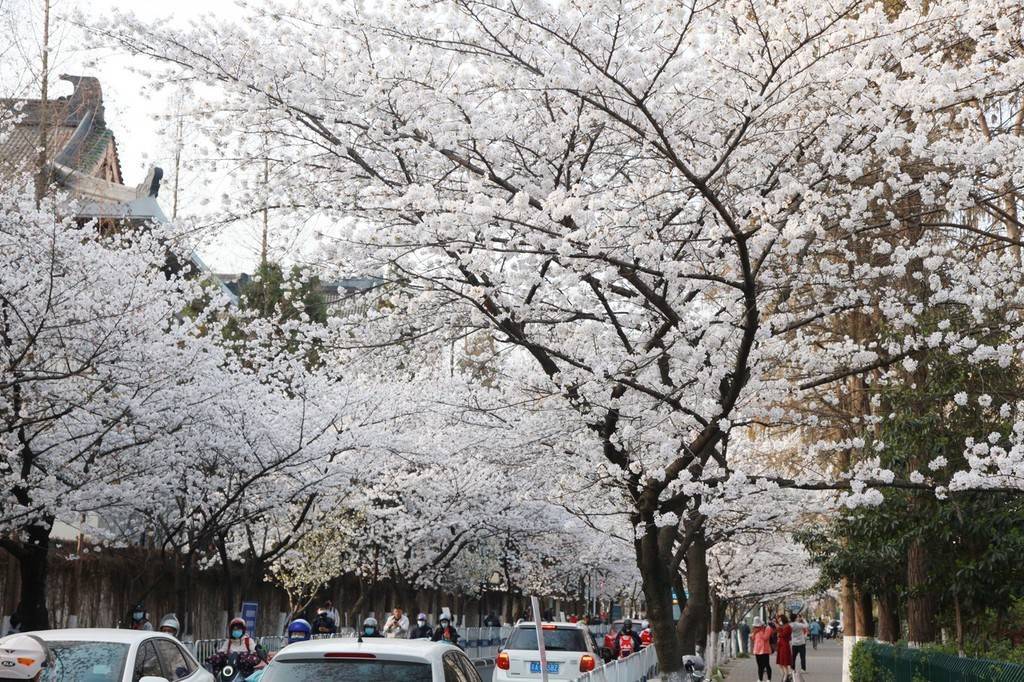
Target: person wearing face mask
238	642
140	621
370	628
422	629
445	631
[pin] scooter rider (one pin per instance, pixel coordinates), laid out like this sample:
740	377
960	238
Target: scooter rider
445	630
422	629
24	657
169	625
626	641
299	630
140	619
370	628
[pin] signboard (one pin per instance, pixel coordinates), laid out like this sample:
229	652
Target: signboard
796	607
250	609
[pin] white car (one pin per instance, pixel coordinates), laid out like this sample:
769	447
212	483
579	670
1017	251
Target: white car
569	647
374	659
106	655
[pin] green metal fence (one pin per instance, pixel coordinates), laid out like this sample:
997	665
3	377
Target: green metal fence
898	664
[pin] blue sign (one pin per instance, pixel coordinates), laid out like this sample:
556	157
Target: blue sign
250	609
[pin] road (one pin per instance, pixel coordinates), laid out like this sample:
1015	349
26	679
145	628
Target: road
486	672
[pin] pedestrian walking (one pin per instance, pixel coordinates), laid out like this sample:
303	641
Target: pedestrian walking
762	639
815	629
784	654
799	643
744	637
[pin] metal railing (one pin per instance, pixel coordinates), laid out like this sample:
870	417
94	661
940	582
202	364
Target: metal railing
885	663
484	642
204	648
638	667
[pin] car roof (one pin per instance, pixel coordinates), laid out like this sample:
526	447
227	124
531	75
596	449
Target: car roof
558	624
112	635
380	646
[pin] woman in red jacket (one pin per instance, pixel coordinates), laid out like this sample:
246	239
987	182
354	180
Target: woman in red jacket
784	654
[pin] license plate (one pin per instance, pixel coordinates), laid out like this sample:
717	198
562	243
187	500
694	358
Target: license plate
552	667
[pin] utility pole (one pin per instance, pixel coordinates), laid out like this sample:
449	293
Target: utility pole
42	169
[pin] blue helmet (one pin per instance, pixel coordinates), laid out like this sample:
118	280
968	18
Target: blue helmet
299	630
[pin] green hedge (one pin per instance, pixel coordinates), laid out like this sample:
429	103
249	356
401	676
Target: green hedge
875	662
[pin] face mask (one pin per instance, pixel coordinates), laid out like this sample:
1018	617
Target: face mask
237	634
138	615
368	631
444	623
422	622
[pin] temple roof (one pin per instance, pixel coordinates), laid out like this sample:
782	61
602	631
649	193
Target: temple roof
76	130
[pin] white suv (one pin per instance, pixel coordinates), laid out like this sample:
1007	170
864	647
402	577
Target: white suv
569	647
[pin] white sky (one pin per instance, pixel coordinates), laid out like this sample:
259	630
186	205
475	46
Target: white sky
129	113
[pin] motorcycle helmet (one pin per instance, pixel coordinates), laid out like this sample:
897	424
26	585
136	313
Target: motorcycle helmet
170	622
370	627
234	626
299	630
627	625
421	619
23	656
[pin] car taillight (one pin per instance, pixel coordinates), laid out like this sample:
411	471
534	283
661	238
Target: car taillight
548	627
503	661
587	663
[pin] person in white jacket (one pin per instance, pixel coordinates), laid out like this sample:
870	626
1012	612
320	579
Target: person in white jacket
397	625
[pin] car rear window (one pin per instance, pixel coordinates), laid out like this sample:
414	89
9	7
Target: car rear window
560	639
87	661
347	671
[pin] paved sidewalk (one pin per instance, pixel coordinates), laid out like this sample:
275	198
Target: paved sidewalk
823	665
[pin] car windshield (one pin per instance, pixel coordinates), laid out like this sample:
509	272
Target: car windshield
87	661
347	671
560	639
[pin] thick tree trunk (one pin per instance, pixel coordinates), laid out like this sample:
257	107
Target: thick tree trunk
920	605
653	556
888	618
862	612
694	620
33	563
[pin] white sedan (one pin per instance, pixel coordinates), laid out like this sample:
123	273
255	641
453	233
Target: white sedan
104	655
372	660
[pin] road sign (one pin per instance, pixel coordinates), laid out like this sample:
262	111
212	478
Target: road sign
250	610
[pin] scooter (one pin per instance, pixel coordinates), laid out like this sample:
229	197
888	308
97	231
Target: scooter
694	668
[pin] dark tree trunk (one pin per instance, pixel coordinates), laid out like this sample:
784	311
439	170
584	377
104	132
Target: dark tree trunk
694	619
920	604
653	556
888	618
33	563
862	612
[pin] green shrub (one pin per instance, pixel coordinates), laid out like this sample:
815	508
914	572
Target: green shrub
862	663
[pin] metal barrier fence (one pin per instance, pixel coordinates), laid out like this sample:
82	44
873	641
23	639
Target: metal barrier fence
484	642
204	648
639	667
898	664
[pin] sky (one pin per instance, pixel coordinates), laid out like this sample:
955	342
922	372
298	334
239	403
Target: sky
132	111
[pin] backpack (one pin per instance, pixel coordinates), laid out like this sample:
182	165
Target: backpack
625	645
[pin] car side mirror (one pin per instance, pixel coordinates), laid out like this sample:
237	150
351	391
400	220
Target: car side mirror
153	678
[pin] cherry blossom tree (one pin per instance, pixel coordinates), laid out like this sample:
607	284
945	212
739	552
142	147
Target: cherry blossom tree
666	217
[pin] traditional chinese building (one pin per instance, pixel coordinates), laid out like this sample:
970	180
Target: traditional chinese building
81	158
